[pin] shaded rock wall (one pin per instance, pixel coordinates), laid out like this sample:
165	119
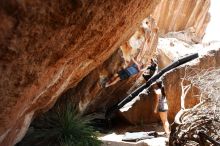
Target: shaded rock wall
189	15
49	46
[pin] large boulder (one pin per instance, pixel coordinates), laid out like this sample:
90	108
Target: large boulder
50	46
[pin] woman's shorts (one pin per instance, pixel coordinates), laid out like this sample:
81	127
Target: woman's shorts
123	74
162	107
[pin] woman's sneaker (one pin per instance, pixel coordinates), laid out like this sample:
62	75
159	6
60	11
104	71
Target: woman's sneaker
103	81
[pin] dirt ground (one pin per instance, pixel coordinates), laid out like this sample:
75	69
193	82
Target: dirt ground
115	136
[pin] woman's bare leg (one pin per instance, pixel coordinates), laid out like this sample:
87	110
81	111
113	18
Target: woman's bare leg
163	117
156	99
112	82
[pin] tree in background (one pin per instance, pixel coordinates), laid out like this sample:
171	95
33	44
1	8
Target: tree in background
199	125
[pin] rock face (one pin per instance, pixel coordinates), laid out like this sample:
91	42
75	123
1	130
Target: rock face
49	46
170	49
143	53
90	96
190	16
52	47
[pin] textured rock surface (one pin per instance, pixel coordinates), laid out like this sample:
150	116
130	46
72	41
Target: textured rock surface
49	46
172	15
170	49
89	94
142	111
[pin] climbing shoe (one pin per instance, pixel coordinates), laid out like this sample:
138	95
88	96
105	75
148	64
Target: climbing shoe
102	81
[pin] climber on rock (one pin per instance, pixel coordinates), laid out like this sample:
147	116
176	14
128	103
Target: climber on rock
125	73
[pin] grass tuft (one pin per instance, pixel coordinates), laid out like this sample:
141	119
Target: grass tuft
61	127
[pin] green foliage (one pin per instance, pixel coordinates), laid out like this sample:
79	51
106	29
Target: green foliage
61	127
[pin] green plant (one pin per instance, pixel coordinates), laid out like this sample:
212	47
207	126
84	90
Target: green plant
61	127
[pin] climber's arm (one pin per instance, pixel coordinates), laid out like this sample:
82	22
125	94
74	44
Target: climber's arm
138	65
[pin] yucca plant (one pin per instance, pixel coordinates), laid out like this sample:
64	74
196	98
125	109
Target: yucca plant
61	127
